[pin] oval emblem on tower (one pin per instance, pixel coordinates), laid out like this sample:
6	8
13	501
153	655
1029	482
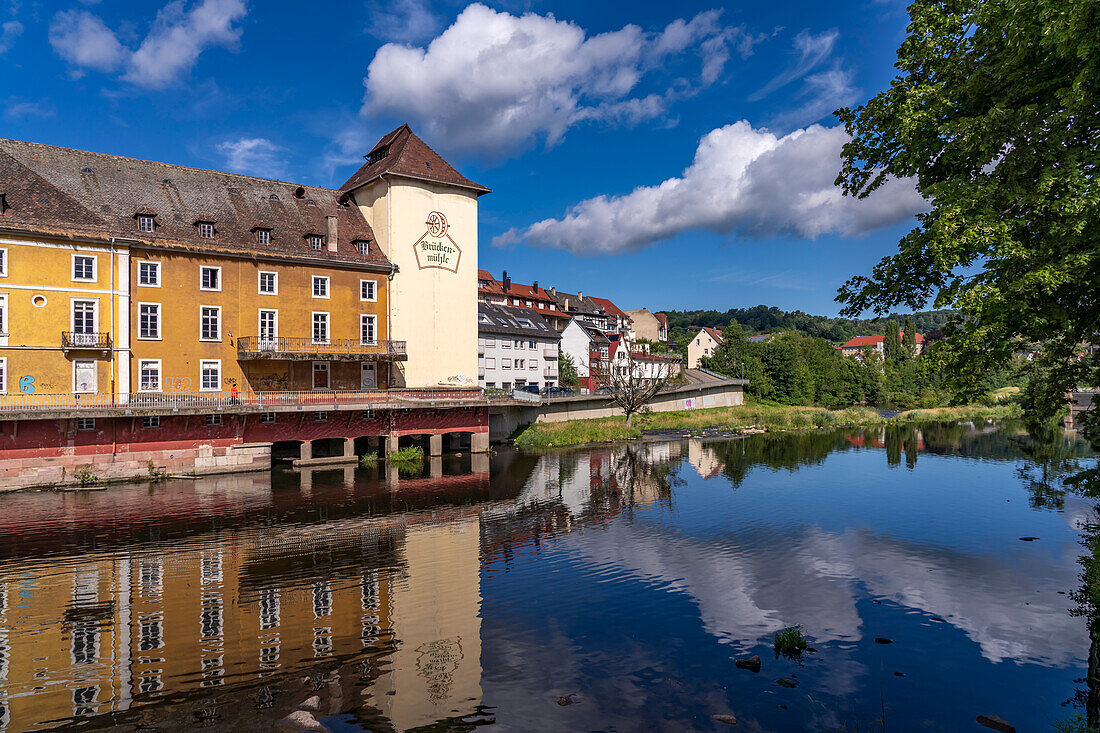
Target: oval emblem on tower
437	224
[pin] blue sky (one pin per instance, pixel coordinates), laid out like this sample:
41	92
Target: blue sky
667	156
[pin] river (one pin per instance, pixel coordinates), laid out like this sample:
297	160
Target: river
609	588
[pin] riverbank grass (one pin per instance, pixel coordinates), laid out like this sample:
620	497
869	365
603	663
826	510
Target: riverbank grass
740	417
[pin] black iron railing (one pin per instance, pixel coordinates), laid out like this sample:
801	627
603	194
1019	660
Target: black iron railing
290	345
94	341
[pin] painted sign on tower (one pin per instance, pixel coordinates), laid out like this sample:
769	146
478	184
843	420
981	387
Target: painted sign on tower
436	248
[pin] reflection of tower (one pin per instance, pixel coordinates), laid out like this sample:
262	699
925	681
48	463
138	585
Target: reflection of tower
436	669
703	459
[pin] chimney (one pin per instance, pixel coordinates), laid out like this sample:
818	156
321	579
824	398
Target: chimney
535	287
507	281
553	292
580	295
332	237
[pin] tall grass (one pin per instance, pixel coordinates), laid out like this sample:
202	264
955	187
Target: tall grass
761	416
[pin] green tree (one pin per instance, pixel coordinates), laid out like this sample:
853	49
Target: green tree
891	345
909	339
994	113
567	369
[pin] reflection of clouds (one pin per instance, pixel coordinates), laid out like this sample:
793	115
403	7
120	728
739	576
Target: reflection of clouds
748	586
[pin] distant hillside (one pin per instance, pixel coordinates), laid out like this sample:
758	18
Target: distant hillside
765	319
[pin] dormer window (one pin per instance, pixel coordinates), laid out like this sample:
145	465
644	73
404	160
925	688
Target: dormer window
263	237
362	248
316	242
145	223
206	229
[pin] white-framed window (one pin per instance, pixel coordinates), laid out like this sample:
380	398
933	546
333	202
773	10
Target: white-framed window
210	278
85	320
85	424
213	420
149	321
210	375
320	416
320	286
268	417
316	242
84	268
150	422
148	274
320	328
363	248
149	375
490	342
3	319
505	343
368	334
490	362
518	343
368	290
206	230
269	283
145	223
520	363
210	323
505	363
3	261
263	237
3	374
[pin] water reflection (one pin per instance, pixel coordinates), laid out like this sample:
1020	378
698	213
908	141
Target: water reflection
622	579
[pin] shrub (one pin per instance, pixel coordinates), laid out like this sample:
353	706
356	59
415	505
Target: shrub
408	454
369	460
85	476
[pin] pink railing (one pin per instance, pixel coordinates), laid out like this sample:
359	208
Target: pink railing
255	401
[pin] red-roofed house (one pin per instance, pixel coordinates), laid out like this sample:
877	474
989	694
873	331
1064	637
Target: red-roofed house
505	292
649	326
855	346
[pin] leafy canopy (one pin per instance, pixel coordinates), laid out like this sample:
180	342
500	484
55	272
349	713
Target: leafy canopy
995	113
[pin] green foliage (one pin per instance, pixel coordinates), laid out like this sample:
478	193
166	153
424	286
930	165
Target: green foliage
683	325
576	432
909	338
369	460
994	113
408	454
85	476
155	473
567	370
790	642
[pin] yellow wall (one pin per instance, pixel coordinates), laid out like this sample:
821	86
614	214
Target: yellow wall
42	269
433	309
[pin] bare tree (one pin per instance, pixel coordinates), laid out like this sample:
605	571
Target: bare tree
632	382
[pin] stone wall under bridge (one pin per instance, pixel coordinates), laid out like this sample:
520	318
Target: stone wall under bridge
57	452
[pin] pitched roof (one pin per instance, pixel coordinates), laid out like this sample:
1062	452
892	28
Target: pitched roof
507	320
714	333
861	341
75	193
610	307
594	334
402	153
663	319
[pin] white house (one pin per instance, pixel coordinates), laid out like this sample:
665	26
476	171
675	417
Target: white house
587	346
705	343
516	347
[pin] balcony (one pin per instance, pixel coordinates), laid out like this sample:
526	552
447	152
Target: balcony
550	372
294	349
72	341
549	353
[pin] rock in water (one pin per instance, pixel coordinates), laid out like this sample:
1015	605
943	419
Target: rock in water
1028	539
565	700
996	722
786	682
752	664
727	719
311	703
883	640
301	720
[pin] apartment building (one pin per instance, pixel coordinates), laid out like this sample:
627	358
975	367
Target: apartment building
516	348
703	346
854	347
649	326
130	284
590	350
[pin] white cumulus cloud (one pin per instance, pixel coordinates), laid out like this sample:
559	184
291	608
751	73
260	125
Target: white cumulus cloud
744	180
403	21
254	156
85	41
172	46
494	82
9	31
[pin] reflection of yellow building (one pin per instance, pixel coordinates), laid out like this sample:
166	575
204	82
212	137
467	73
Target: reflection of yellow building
229	613
703	459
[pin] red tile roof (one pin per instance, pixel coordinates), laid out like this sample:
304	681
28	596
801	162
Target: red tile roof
402	153
861	341
610	307
76	193
714	333
663	319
